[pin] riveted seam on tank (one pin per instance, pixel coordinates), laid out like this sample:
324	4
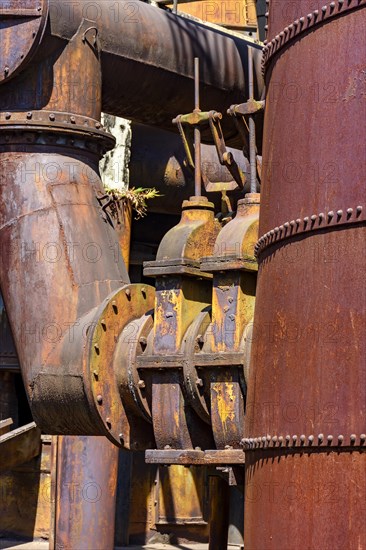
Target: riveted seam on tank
303	24
304	442
307	224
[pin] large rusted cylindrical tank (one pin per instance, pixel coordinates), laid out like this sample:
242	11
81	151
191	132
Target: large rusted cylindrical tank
305	432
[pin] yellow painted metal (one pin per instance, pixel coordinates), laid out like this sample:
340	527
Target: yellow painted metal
182	496
233	298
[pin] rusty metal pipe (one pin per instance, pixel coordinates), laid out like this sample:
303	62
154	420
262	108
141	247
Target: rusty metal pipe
147	58
85	497
146	62
60	254
86	474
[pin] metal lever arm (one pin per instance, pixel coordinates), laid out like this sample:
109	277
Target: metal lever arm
211	119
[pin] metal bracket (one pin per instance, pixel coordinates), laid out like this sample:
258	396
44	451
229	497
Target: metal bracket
211	119
95	37
239	111
249	108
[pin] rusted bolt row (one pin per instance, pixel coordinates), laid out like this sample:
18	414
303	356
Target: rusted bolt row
52	117
268	441
316	221
302	24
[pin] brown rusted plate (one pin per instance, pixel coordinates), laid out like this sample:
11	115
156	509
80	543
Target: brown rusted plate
19	446
5	425
173	456
22	24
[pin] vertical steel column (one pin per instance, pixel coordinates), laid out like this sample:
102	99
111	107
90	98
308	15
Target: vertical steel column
305	431
86	485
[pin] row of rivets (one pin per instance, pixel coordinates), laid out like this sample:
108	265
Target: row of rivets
301	441
312	222
52	118
299	26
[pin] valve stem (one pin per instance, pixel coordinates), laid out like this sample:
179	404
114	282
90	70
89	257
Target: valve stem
197	131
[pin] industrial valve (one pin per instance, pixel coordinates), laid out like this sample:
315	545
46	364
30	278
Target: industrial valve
101	356
183	367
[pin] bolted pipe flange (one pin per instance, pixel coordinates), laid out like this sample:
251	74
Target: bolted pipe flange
134	387
194	381
114	323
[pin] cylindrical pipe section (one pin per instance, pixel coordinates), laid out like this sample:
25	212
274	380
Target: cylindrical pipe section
87	469
60	260
305	425
147	56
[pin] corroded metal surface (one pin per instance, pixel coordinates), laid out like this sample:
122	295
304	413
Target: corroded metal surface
206	347
26	498
155	59
179	299
85	493
299	19
19	446
64	282
305	434
140	75
228	13
22	24
55	236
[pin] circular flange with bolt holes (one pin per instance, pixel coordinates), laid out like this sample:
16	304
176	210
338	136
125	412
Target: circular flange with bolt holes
119	309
